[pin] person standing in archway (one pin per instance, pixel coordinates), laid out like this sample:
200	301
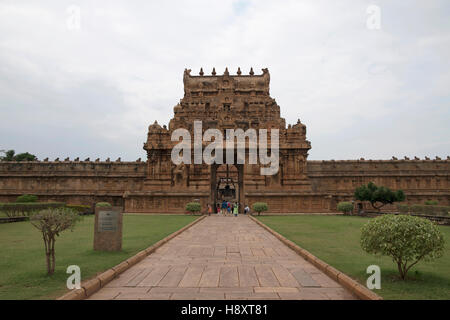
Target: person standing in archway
224	207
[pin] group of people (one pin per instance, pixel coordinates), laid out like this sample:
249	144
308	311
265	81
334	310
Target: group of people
228	208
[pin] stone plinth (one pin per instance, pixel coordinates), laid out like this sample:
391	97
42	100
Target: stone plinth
108	229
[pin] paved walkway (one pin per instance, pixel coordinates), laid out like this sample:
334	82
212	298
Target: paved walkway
223	258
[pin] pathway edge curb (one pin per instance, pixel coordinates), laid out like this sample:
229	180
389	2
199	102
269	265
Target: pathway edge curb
351	285
94	284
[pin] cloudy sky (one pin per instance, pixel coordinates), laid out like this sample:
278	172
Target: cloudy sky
85	79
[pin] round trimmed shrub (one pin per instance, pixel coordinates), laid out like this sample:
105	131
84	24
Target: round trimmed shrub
193	207
260	207
406	239
26	198
345	207
103	204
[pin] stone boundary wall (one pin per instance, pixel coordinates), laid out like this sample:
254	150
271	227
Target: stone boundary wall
121	183
420	179
78	182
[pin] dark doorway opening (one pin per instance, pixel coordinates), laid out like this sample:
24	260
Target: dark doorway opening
227	183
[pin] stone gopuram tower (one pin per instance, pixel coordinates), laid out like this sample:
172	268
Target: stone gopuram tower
223	102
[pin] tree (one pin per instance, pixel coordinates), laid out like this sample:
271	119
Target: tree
406	239
193	207
11	155
260	207
51	222
378	194
25	157
345	207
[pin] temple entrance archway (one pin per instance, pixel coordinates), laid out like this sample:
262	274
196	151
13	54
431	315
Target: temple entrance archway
227	183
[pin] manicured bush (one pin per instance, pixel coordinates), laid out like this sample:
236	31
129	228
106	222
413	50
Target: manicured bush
80	208
345	207
25	209
103	204
260	207
26	198
406	239
51	222
431	202
193	207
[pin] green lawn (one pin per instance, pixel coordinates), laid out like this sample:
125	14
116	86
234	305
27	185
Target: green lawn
22	258
335	240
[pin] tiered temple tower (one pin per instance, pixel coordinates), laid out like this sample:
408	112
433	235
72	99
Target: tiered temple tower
226	102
